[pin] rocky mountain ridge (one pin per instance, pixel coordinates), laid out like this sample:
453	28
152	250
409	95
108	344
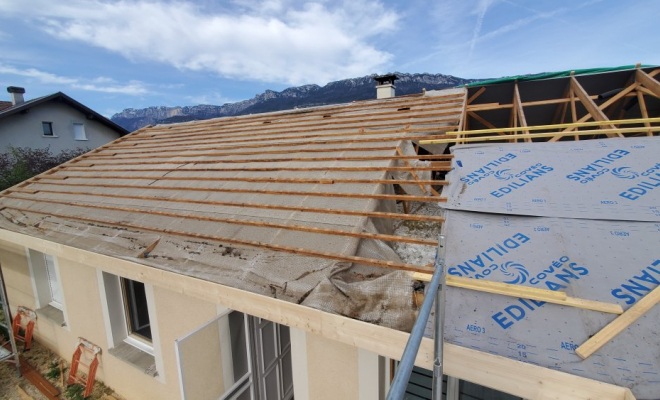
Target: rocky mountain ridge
343	91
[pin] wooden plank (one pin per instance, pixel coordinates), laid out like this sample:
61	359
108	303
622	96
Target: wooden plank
542	135
621	323
520	112
560	110
500	373
444	167
608	103
304	143
648	82
371	214
644	111
234	221
287	135
329	181
480	119
241	242
31	374
259	191
498	106
111	153
525	292
412	171
462	123
212	145
592	108
555	126
290	116
306	128
573	116
287	159
649	92
475	95
505	289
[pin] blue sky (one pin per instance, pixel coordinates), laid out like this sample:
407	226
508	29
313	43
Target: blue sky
139	53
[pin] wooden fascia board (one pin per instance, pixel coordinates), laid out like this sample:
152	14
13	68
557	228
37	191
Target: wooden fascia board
500	373
592	108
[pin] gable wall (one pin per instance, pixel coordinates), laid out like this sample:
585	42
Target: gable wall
25	130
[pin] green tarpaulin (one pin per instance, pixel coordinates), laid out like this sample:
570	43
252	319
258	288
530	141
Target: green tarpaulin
549	75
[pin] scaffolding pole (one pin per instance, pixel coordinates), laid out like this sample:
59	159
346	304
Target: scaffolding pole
435	294
6	355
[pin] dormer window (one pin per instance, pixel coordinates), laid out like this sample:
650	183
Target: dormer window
48	128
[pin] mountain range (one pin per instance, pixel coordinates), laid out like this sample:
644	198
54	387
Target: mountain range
343	91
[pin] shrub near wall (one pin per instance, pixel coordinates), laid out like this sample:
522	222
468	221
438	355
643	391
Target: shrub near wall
21	163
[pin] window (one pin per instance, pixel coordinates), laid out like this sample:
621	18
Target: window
48	128
128	312
47	287
79	131
254	356
53	284
137	312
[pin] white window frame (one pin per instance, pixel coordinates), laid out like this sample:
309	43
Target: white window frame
84	131
116	324
42	283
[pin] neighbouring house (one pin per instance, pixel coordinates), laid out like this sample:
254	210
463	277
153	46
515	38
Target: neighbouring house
56	121
284	255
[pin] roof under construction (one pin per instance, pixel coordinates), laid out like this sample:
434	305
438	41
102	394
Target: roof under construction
315	206
280	204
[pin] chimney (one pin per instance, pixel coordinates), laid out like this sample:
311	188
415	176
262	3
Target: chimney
16	94
385	87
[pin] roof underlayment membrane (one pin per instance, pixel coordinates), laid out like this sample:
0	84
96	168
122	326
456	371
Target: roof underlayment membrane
578	217
133	198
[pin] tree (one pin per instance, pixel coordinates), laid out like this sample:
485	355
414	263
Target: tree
21	163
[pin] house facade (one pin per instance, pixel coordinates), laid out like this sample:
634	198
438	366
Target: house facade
56	121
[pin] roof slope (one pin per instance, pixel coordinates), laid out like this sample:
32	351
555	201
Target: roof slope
59	96
277	203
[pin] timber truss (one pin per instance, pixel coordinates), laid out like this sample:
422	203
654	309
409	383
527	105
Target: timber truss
620	104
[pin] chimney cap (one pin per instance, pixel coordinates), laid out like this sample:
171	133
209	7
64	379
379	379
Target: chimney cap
386	79
15	89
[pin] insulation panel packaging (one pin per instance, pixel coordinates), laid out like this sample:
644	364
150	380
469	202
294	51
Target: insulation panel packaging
596	238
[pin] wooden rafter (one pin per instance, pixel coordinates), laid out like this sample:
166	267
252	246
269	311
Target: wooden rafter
644	111
648	82
257	121
592	108
560	111
401	156
240	242
519	109
233	221
60	183
321	181
302	209
412	169
481	120
252	145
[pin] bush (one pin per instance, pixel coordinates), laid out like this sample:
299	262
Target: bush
21	163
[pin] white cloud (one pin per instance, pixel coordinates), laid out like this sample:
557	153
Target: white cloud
100	84
210	98
272	41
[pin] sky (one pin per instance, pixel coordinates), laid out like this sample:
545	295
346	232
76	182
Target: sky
112	55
